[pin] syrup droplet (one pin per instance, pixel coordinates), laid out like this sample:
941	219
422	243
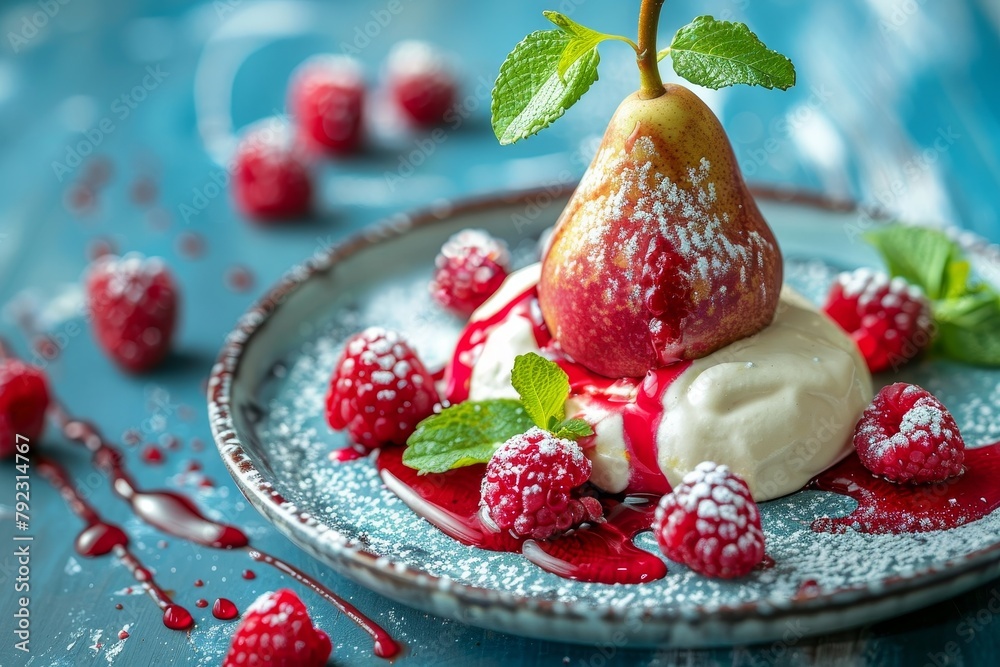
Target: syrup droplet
100	539
199	583
80	199
152	454
46	347
176	617
119	606
191	245
249	574
123	634
143	191
201	603
225	610
239	279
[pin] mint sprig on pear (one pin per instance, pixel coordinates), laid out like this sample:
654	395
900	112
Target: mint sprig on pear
966	311
469	432
550	70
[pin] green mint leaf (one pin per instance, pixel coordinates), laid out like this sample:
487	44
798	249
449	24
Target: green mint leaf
969	328
716	54
583	40
529	93
543	388
571	429
966	314
464	434
924	257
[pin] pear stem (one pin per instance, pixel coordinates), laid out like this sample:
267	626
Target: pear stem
651	85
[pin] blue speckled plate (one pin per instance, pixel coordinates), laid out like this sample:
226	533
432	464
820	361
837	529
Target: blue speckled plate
266	406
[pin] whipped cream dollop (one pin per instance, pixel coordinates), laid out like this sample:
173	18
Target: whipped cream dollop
778	407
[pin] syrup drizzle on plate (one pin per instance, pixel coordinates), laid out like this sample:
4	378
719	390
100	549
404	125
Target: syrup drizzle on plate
600	553
100	538
887	507
638	400
174	514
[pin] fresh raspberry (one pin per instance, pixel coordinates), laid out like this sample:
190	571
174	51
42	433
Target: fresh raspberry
421	82
326	96
380	389
276	631
711	523
889	319
133	308
907	435
270	178
24	398
529	484
470	268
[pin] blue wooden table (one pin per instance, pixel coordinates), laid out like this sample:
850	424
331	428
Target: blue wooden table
116	119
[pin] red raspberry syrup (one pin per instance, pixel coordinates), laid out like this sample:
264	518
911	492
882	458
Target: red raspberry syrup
888	507
225	610
641	417
100	538
604	553
174	514
601	553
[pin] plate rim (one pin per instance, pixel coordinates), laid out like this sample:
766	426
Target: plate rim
301	527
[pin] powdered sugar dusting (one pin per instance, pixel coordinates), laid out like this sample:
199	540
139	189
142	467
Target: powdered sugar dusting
685	212
352	498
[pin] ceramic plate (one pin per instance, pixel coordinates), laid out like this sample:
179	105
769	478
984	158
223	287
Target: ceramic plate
266	405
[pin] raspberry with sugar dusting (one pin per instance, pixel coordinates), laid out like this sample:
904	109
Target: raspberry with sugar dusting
133	302
271	180
889	319
326	95
530	482
471	266
276	631
421	82
711	523
380	390
908	436
24	398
